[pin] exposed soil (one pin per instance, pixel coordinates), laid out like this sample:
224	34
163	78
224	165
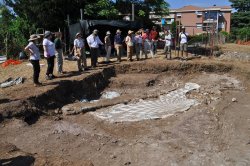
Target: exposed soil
215	132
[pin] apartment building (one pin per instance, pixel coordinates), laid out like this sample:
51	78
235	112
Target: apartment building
198	20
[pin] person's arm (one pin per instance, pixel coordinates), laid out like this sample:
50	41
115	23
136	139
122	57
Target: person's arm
28	50
99	41
45	48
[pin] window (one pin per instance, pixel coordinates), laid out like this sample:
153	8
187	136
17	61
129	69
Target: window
178	14
199	25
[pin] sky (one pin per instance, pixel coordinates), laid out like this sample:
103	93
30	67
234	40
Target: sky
174	4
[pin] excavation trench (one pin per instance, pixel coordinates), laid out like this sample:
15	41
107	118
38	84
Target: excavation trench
134	82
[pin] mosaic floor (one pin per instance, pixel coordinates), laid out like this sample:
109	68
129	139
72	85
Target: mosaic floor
163	107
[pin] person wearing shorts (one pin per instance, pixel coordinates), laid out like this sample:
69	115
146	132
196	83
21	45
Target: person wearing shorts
183	42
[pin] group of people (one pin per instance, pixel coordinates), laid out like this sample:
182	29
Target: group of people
51	50
142	41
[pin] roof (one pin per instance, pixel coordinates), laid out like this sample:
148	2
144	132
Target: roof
190	8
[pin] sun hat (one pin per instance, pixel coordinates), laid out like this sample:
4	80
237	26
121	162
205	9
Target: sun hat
118	31
108	33
33	37
182	27
130	32
78	34
95	31
47	34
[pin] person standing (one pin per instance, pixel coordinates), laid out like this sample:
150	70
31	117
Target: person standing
183	42
34	55
138	45
118	44
130	45
168	42
59	52
93	42
107	42
49	54
79	50
146	42
154	39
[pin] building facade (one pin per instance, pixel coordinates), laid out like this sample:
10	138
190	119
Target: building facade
197	20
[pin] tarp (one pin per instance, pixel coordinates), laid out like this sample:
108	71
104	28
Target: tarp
87	26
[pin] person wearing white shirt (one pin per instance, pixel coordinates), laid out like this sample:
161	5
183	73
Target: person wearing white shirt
168	42
94	42
79	50
34	54
49	54
183	42
130	45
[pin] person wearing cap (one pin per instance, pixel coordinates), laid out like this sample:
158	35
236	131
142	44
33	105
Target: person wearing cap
146	42
118	44
168	42
107	42
138	45
34	57
49	54
94	42
79	51
130	45
154	39
183	41
59	52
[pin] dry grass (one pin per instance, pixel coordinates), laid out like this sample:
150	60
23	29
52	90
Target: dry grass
235	48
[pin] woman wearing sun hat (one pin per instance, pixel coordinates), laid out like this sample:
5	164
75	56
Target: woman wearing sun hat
107	42
130	45
34	55
79	48
49	54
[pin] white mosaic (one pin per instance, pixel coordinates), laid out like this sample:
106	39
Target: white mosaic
163	107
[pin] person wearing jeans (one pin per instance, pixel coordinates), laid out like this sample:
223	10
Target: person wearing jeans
34	55
49	54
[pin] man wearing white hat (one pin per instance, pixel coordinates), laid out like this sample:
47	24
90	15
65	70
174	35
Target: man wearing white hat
93	42
107	42
79	49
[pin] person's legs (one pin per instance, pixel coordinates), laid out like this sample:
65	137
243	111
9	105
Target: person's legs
119	52
48	66
92	57
146	49
84	59
108	53
52	61
131	53
185	49
36	70
140	50
59	60
181	49
155	47
151	49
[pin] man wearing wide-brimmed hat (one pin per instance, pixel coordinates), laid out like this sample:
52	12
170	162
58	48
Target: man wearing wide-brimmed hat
34	54
49	54
118	44
107	42
130	45
183	41
79	50
94	42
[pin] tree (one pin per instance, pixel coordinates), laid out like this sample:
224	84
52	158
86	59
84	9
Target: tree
240	19
103	8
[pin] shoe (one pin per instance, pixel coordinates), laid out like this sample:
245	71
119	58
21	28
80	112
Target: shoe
38	84
53	76
48	77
